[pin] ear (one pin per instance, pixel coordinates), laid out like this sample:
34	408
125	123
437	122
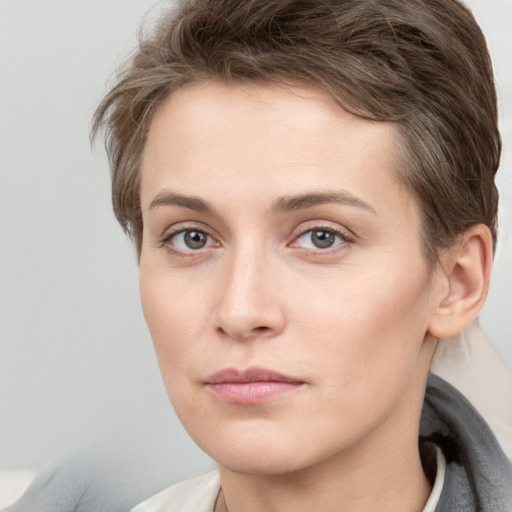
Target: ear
464	272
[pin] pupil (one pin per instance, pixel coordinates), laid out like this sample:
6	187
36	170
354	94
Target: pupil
322	239
195	239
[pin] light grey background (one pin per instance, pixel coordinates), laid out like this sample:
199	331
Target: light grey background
77	369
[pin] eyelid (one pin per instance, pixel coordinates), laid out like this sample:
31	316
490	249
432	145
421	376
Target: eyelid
179	227
348	237
324	225
174	230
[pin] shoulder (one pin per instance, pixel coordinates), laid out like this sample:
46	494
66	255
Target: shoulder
195	495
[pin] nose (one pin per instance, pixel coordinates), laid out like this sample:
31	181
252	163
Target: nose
249	304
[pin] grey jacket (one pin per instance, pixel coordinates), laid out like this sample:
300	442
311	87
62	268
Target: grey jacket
478	474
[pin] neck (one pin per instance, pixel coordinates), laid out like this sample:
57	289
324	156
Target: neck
389	485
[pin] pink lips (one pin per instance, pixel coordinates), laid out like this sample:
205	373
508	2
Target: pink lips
252	386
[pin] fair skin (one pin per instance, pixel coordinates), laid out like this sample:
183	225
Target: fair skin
278	237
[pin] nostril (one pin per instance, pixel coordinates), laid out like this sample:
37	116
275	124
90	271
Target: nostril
243	334
220	330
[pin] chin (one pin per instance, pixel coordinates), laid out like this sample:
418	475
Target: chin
263	453
264	462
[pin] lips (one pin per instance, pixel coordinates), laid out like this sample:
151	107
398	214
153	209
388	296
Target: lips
252	386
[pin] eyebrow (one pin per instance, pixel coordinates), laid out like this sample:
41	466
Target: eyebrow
283	204
193	203
301	202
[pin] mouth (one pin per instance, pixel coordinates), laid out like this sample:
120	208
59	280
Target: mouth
251	386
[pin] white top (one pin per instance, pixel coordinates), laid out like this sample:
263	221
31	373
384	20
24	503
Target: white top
195	495
437	488
199	494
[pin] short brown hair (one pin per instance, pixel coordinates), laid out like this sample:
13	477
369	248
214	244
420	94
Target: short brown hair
422	64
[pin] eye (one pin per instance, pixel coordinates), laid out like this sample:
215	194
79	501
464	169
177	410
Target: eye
189	240
319	238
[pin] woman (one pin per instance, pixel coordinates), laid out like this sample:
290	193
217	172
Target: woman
310	188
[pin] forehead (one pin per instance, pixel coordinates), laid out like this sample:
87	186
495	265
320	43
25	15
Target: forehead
255	140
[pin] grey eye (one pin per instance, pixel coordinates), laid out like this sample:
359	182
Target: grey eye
195	239
319	239
191	240
323	239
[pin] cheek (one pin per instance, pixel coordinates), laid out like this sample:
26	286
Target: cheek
365	342
175	312
172	312
367	326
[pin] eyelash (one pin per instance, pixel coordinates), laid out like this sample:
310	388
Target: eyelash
346	239
169	235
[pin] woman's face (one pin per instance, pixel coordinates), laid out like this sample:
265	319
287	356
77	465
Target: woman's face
282	276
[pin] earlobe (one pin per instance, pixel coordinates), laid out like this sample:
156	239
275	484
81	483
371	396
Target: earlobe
466	271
